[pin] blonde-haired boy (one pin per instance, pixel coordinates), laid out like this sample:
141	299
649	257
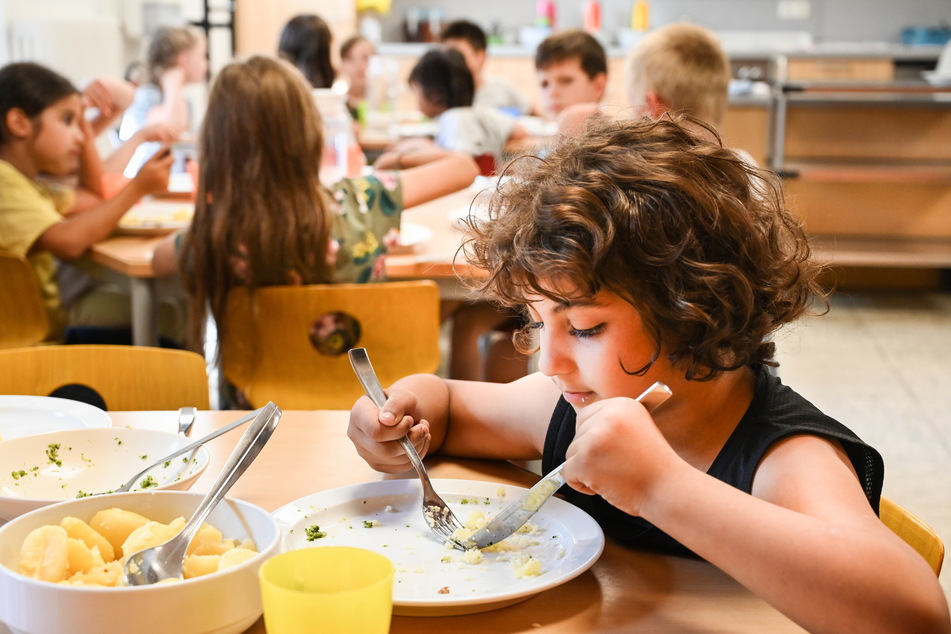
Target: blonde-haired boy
680	68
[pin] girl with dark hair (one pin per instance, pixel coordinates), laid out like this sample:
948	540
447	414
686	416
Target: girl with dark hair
43	133
305	43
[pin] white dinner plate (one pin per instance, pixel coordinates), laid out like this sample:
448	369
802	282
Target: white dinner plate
28	415
460	214
937	80
412	236
156	217
386	517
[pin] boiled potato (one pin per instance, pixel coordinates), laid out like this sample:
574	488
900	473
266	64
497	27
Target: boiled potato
44	554
78	529
198	565
151	534
208	541
73	551
116	525
108	574
234	557
81	557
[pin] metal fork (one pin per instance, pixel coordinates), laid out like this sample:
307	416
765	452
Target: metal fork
437	513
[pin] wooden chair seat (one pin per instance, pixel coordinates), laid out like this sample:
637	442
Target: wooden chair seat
288	344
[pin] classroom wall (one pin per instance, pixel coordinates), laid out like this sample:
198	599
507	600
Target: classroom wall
828	21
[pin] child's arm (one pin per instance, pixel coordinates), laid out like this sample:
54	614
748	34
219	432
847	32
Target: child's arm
165	256
520	142
173	110
90	163
462	418
806	540
71	238
441	174
157	132
110	96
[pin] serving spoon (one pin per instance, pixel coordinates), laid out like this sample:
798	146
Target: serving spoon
165	561
131	482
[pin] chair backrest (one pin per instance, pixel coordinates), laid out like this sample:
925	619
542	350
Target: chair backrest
914	531
288	344
127	377
23	319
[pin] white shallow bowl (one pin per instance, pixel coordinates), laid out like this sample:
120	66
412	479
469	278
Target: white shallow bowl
221	603
92	460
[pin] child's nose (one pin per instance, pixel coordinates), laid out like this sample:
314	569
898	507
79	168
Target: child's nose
552	359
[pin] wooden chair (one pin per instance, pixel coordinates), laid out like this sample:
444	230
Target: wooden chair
23	319
914	531
126	377
288	344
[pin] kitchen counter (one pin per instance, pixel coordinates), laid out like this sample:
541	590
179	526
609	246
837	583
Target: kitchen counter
734	47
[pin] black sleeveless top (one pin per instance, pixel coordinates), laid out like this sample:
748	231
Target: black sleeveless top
775	413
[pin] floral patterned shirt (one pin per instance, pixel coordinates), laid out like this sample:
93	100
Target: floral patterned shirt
366	223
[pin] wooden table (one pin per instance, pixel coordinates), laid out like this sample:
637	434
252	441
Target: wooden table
131	257
625	591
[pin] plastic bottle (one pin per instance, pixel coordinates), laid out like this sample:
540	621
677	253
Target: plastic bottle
338	158
640	16
545	13
592	16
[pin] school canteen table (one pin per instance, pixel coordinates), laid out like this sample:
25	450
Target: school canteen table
131	257
624	591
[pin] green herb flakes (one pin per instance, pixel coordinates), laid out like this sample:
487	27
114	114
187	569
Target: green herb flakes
314	532
52	454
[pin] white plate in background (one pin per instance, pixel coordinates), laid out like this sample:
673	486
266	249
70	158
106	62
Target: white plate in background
28	415
567	542
412	236
935	79
156	217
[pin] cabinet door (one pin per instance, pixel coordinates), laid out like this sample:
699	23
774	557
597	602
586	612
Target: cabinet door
258	25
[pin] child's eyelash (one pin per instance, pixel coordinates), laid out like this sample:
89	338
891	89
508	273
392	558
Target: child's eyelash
588	332
575	332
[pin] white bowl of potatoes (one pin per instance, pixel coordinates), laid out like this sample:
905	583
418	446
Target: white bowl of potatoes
50	565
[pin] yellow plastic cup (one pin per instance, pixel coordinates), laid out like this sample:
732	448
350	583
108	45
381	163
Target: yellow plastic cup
327	589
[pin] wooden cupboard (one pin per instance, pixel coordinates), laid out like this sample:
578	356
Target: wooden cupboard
867	166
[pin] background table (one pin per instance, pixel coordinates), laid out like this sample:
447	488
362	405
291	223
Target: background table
436	259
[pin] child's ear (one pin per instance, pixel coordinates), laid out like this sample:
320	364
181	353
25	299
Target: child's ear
655	106
18	123
600	82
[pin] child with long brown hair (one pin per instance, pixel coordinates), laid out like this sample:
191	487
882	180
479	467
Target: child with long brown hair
262	217
642	252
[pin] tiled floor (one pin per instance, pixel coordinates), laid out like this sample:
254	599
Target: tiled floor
881	364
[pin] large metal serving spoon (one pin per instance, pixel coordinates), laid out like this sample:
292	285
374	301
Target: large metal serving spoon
165	560
191	447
